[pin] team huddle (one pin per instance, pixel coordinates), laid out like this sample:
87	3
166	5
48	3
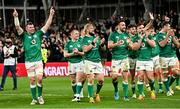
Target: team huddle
135	49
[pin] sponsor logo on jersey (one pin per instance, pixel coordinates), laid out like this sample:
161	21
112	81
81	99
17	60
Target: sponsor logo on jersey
169	40
33	42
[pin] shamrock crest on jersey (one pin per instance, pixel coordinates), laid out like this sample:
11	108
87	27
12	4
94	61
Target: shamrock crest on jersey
33	42
143	44
169	40
121	42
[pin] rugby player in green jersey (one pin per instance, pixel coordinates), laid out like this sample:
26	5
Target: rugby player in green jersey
93	66
155	59
118	43
144	64
168	59
133	54
33	59
74	52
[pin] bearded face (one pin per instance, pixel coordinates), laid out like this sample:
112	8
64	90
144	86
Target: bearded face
30	29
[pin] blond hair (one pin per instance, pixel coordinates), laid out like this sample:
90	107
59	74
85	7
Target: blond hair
86	27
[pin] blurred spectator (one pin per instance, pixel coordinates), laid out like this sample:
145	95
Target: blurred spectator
10	54
44	52
56	49
178	50
1	51
175	20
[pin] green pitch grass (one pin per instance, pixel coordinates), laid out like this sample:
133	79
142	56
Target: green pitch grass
58	94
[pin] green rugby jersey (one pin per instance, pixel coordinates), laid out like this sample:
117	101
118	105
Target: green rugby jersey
156	50
127	34
92	55
70	46
145	51
119	52
132	53
169	50
32	46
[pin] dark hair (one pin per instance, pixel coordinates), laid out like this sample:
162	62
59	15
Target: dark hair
116	23
139	24
121	20
165	24
151	27
71	30
29	23
131	26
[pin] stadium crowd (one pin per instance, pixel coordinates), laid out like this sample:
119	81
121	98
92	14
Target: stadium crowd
58	34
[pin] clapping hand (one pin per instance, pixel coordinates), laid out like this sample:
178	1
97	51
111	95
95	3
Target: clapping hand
171	33
75	51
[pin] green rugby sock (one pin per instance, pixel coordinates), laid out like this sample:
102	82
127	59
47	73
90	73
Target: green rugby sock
133	88
33	92
151	83
90	90
39	87
140	87
125	89
166	83
78	88
115	84
160	85
74	88
172	80
99	86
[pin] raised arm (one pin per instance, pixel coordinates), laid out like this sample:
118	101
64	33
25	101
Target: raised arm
49	21
16	22
150	22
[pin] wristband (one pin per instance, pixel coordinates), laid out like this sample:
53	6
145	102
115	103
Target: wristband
16	21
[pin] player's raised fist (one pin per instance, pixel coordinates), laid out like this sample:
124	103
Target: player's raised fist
52	11
151	16
15	14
